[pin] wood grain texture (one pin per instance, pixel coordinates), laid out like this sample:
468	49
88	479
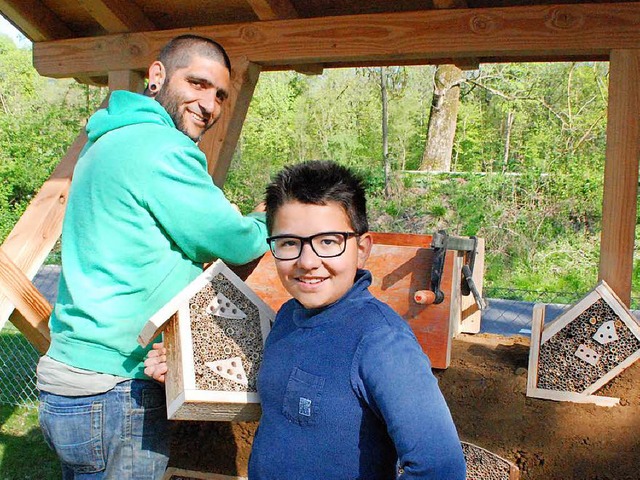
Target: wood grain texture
33	307
118	16
619	204
537	325
501	34
130	80
273	9
174	384
35	20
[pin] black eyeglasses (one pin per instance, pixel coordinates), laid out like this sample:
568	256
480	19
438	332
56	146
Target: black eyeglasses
324	244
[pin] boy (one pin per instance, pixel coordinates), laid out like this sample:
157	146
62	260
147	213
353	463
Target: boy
345	388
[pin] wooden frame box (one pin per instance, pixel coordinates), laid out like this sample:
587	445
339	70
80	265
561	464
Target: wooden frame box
401	265
483	464
214	331
583	349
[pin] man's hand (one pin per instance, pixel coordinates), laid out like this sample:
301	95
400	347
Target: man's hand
156	363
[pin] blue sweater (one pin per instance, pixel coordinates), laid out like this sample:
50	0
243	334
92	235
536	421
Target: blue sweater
143	215
347	393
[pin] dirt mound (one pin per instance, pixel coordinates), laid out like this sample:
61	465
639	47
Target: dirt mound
485	387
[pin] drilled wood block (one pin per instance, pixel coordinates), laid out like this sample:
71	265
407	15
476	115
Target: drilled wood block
583	349
214	331
485	465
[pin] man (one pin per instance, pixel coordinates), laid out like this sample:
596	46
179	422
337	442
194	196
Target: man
143	216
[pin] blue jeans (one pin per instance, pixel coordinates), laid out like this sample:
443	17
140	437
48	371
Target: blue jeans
122	434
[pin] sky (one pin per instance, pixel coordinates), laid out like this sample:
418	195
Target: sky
8	29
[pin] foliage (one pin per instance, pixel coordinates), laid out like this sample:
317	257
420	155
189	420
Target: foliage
39	118
536	200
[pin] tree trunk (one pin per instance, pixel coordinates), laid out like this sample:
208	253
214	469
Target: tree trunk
507	140
442	119
385	129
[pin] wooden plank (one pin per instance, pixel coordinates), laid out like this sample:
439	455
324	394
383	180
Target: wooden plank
37	231
130	80
619	307
118	16
173	473
619	203
569	315
273	9
33	307
504	34
534	349
573	397
174	379
35	20
219	143
462	63
614	372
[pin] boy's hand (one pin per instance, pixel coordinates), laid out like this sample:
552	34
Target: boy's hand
156	363
261	207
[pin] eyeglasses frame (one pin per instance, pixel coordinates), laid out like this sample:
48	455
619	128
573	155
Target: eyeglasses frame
308	240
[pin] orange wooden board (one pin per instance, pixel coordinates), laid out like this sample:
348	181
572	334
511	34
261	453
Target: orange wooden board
400	264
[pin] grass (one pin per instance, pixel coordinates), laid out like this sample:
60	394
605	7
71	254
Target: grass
24	455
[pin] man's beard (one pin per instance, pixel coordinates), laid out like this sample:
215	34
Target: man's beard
171	103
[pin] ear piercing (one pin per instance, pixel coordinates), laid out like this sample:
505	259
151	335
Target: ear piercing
153	87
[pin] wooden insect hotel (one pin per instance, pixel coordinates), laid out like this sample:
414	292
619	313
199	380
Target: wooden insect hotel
214	331
485	465
583	349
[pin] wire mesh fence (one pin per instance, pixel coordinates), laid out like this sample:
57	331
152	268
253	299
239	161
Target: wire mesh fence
18	358
508	312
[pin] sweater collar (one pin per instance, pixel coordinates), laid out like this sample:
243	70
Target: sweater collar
312	317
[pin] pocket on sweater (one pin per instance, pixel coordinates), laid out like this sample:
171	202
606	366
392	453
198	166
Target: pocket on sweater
302	399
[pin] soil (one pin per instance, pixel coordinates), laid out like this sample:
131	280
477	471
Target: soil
485	388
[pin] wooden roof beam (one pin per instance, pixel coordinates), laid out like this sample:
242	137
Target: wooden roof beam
118	16
34	19
273	9
462	63
560	32
282	10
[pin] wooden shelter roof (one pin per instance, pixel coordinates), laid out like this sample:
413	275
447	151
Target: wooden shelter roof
43	20
87	39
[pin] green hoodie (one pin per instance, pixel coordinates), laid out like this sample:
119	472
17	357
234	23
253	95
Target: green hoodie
143	215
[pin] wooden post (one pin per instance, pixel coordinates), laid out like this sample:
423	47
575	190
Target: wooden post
619	204
219	143
126	80
33	308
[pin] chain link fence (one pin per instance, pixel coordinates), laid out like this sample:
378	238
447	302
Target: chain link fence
508	312
18	358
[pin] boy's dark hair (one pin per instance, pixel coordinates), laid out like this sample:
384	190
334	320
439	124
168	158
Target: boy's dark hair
318	182
179	51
